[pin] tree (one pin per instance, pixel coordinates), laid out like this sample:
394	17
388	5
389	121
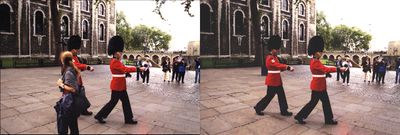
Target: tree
124	30
350	38
324	30
55	20
151	38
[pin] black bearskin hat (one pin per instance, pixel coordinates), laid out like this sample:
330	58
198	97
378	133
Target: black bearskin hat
116	44
316	44
74	42
274	42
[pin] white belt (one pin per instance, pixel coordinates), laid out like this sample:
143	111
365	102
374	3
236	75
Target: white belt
118	75
274	71
319	76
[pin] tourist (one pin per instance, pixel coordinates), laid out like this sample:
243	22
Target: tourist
318	83
138	64
338	65
382	65
197	69
146	73
118	83
273	79
397	69
166	69
346	75
125	62
74	44
67	108
375	70
175	70
366	68
181	71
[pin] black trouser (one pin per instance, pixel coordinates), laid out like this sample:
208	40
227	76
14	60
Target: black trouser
374	76
85	99
146	75
339	74
68	122
381	77
174	76
346	75
126	105
181	76
271	92
326	105
138	73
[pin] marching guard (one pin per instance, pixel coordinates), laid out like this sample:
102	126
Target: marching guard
118	83
273	79
318	83
74	44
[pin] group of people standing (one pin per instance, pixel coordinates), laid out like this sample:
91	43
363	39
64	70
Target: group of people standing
318	86
346	62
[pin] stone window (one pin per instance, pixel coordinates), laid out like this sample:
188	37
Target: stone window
302	10
101	34
264	2
65	26
39	23
85	29
285	29
301	32
64	2
239	23
265	26
205	18
285	5
102	9
85	5
5	17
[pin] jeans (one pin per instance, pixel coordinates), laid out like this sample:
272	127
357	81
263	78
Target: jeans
397	76
197	76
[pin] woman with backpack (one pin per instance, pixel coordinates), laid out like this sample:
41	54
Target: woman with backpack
67	108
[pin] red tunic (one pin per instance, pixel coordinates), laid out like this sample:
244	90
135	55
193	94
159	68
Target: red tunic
316	67
80	66
117	68
272	64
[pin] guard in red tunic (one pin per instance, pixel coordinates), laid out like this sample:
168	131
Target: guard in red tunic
318	83
74	44
118	83
273	79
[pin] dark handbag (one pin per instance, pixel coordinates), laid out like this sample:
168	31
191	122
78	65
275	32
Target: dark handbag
80	99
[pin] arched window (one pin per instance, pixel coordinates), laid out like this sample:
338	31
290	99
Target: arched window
285	29
265	26
239	23
85	5
5	17
205	18
39	23
264	2
301	32
64	2
102	9
101	34
285	5
302	10
85	29
65	26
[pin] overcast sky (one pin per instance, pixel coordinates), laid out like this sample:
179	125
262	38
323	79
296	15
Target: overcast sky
179	24
380	18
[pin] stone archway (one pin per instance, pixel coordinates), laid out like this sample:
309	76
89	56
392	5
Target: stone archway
165	58
331	57
131	57
138	56
156	59
356	59
325	56
124	57
337	56
365	58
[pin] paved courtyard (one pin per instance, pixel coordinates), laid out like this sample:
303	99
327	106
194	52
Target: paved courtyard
227	97
28	96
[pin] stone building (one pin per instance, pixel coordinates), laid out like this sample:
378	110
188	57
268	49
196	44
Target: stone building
226	26
26	28
394	48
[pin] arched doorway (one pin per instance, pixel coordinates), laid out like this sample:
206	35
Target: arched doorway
156	59
356	59
331	57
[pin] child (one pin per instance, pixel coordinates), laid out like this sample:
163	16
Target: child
318	83
118	83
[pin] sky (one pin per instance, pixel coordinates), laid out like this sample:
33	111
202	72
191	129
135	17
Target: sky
380	18
178	24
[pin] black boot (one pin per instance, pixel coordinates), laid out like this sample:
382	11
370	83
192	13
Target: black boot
331	122
286	113
131	122
99	119
86	112
258	112
299	120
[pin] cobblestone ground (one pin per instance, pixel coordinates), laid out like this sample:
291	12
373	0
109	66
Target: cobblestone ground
227	98
28	97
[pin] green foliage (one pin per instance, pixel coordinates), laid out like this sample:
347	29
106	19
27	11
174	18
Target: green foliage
150	38
342	37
